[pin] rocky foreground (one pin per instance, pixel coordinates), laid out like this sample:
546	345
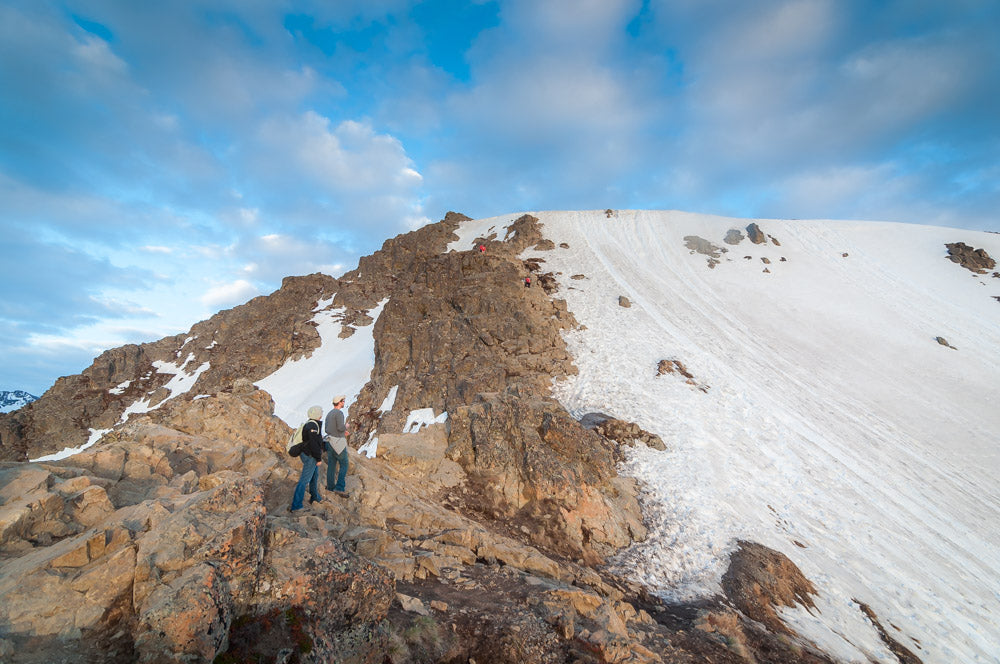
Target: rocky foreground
483	539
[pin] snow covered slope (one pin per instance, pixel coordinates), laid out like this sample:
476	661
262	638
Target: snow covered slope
834	427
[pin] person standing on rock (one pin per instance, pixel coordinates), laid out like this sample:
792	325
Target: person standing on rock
336	447
527	282
311	456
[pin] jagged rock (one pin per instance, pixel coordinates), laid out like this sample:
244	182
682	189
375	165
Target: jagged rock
460	324
412	604
755	234
733	236
975	260
185	619
529	461
766	260
628	433
624	302
760	579
774	240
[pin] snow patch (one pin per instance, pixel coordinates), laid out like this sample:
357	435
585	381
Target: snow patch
422	417
370	448
389	401
337	366
95	435
323	304
120	388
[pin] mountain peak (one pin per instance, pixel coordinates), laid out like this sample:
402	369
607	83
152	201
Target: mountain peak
11	400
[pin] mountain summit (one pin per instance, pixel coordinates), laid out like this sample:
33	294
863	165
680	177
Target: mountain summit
606	436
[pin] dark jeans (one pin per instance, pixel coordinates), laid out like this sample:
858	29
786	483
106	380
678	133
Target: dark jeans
310	476
333	460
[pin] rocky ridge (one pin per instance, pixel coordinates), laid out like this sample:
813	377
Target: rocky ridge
482	539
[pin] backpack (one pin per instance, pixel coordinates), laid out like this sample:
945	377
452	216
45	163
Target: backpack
295	445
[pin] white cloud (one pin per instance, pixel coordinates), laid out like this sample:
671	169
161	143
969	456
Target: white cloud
97	55
231	294
347	159
156	249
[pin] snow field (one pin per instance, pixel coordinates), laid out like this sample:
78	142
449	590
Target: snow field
833	421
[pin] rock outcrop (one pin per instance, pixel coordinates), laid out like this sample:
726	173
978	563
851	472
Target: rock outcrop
755	234
974	260
760	579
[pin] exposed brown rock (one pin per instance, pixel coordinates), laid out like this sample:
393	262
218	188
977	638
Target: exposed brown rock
624	302
676	366
944	342
975	260
903	654
760	579
628	433
529	461
755	234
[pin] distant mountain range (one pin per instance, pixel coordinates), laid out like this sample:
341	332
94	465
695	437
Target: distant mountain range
14	399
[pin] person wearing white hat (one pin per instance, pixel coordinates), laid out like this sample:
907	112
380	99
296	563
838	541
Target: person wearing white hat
311	457
336	447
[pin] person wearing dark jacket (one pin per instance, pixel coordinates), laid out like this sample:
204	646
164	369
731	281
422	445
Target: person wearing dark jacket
311	457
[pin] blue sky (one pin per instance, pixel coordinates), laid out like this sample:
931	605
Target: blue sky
162	161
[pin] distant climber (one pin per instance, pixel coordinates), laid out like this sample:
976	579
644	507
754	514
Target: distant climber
482	248
527	282
336	447
312	456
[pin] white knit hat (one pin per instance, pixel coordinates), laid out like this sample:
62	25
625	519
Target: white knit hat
315	412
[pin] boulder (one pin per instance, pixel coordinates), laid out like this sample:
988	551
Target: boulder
528	460
629	433
755	234
760	579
